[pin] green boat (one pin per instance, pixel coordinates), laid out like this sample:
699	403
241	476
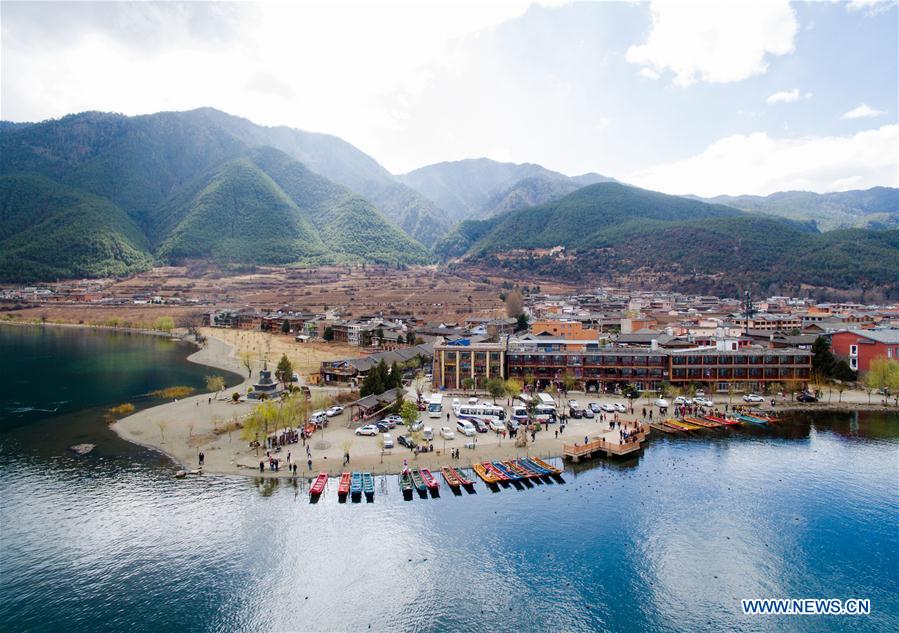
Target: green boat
368	485
418	482
406	482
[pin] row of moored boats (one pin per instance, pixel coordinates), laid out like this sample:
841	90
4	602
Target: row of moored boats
690	424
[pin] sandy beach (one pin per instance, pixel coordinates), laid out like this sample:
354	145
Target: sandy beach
184	428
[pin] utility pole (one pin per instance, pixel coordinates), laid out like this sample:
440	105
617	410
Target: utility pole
747	311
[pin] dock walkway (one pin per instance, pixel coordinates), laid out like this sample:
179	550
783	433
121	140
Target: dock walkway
608	445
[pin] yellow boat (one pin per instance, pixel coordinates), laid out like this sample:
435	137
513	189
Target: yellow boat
483	473
682	425
547	466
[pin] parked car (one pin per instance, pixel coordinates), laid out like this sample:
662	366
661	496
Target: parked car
388	440
428	433
588	413
318	417
575	413
496	425
703	402
455	402
465	428
594	407
396	419
620	408
682	400
334	411
660	403
382	426
806	397
447	433
391	423
406	440
479	424
753	397
608	408
573	404
368	429
418	425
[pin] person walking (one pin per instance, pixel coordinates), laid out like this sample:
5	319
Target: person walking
309	463
202	457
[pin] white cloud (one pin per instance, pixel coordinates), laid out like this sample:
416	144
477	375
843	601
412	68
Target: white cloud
716	42
788	96
649	73
758	164
862	111
870	7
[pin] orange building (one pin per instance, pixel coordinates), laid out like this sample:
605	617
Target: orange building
564	329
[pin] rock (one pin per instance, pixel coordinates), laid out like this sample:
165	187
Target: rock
81	449
181	474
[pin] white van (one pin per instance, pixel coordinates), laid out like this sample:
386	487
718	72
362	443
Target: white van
465	428
428	433
388	440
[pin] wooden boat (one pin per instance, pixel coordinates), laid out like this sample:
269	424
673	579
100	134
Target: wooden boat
465	481
181	474
488	476
508	473
502	477
709	424
318	486
406	482
368	485
542	464
745	417
663	428
720	420
531	466
452	479
343	488
418	481
429	479
680	424
356	484
524	473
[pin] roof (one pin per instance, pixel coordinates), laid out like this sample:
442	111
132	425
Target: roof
887	336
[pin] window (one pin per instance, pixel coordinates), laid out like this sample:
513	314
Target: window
853	363
853	350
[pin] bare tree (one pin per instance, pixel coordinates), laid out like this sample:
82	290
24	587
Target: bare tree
514	303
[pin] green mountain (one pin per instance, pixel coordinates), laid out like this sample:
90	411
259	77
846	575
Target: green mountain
610	230
876	208
476	188
178	185
49	231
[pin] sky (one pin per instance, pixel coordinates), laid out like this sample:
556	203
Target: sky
699	98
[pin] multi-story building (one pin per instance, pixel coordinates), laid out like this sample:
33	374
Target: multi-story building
721	367
860	347
564	328
468	358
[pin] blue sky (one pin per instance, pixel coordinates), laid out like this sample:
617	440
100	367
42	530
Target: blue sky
684	98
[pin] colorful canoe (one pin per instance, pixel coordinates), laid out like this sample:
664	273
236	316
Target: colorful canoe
418	482
534	468
368	485
524	473
488	476
406	482
680	424
709	424
343	488
724	421
465	481
429	479
452	479
318	486
751	419
500	475
508	473
664	428
356	484
542	464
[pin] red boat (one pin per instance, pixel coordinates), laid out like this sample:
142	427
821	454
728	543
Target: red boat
720	420
343	488
496	471
318	486
429	479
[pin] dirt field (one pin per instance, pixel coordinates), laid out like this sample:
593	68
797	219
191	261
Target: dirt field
429	293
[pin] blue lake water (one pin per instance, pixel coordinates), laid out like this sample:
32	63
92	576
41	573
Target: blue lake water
669	541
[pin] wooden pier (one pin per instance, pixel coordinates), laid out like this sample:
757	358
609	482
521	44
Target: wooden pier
576	452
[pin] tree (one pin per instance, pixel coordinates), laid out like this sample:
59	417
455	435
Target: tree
842	372
630	391
409	413
235	397
569	382
285	326
163	425
215	383
468	383
514	303
522	323
328	334
822	358
246	359
419	384
496	387
884	374
395	381
869	384
284	371
513	387
164	324
260	422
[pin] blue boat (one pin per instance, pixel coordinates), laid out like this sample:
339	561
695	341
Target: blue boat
748	418
513	476
533	467
356	484
368	485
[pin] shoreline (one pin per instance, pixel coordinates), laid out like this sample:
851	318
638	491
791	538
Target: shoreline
189	427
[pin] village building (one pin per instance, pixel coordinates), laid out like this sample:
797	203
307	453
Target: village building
860	347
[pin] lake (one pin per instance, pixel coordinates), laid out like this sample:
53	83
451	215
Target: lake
668	541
